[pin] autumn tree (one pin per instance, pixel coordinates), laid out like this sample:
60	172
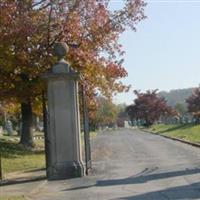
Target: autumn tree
9	111
122	115
29	29
122	111
148	107
193	103
106	112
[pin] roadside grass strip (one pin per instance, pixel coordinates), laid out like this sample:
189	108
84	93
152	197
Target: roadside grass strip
187	132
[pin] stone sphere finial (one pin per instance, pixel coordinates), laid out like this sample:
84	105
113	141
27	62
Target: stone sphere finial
60	49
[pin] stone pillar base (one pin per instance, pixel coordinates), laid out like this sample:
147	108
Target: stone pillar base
65	170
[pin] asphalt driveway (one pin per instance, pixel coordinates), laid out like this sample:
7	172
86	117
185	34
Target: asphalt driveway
132	165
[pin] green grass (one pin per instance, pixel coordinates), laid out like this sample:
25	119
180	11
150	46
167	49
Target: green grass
38	133
188	132
16	158
93	134
13	198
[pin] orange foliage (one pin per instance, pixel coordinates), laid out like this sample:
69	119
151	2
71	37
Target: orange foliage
29	28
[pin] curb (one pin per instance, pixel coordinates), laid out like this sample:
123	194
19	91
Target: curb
6	182
173	138
36	188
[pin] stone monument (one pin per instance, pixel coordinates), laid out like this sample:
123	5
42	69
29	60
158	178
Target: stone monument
63	128
9	127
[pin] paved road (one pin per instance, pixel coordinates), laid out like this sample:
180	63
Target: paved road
133	165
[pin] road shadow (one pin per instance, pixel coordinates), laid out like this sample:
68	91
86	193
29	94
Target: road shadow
191	191
146	178
139	179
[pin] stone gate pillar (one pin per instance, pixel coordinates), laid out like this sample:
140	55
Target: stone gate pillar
63	129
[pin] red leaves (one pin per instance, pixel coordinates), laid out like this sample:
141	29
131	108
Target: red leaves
28	29
115	71
194	103
149	107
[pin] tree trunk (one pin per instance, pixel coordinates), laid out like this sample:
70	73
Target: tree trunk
27	120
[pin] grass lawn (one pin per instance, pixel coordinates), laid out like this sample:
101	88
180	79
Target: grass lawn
93	134
16	158
188	132
13	198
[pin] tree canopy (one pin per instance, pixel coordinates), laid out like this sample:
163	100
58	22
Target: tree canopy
29	29
106	113
193	103
148	107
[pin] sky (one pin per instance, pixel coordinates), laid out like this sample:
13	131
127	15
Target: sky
164	52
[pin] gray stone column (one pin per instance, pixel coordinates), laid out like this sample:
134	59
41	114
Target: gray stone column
63	131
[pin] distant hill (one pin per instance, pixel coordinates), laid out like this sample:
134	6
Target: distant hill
176	96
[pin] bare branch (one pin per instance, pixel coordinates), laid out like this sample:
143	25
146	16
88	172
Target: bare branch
38	3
